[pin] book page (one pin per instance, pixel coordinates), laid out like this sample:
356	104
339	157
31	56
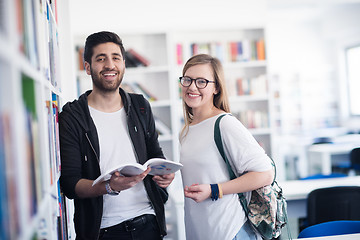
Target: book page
158	166
161	166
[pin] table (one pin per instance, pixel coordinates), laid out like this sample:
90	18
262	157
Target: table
296	191
326	151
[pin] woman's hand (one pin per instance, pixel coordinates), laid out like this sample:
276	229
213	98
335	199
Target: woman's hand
164	180
198	192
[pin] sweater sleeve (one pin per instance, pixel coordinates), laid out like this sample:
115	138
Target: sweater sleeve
244	152
70	157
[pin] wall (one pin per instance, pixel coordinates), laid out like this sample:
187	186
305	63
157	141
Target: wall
306	42
159	15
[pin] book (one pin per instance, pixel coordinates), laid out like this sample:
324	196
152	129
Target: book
161	127
260	47
158	166
136	58
179	54
144	61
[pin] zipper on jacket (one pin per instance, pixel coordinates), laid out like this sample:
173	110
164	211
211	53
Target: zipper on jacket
92	147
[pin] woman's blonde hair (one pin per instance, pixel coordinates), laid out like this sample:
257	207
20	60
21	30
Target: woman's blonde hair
220	99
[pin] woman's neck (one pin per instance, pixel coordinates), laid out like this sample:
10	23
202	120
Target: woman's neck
203	114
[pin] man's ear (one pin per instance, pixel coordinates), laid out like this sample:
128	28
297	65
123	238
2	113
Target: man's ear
87	68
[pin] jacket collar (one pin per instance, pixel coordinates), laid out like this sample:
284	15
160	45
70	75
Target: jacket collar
79	109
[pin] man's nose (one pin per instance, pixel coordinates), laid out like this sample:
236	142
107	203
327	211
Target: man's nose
109	64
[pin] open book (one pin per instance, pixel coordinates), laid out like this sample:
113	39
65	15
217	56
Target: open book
158	166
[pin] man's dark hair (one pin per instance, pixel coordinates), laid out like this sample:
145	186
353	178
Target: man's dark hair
98	38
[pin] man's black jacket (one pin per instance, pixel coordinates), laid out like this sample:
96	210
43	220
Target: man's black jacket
79	150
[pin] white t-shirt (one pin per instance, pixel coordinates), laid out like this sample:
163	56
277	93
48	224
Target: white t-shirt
203	164
116	148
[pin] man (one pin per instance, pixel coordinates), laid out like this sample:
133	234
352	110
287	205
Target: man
100	130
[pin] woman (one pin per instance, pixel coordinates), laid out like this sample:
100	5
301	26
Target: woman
205	172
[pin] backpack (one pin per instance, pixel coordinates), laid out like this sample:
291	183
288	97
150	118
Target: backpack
266	210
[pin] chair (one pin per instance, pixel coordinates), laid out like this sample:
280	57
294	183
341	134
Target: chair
331	228
351	167
355	159
334	203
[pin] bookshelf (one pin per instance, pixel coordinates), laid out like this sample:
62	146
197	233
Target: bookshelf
242	53
31	203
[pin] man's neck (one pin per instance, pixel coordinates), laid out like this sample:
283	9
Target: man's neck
105	102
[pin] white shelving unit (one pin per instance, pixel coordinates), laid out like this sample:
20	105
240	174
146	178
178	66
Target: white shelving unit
31	203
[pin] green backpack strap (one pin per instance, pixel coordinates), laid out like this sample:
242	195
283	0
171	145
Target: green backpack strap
218	141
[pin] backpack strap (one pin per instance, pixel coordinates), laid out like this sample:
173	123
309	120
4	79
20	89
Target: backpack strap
218	141
138	101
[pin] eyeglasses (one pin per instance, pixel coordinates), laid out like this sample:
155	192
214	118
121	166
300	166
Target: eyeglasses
200	83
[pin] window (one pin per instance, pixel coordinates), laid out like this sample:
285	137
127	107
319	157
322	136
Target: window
353	78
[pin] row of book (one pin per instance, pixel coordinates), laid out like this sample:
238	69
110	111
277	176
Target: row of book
39	45
253	119
256	86
132	59
136	87
9	217
233	51
20	198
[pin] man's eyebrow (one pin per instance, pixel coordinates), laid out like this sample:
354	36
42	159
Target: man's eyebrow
104	55
100	55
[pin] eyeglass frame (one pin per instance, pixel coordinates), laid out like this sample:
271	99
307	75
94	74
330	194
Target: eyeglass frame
195	80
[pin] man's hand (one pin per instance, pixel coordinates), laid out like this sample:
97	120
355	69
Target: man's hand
197	192
119	182
164	180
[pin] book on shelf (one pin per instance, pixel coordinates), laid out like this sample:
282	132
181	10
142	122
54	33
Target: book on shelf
80	53
51	141
134	59
260	48
161	127
144	61
256	86
233	51
158	166
253	119
179	54
145	91
246	50
135	87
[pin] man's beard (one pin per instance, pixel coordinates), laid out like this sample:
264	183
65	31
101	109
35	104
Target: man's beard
102	86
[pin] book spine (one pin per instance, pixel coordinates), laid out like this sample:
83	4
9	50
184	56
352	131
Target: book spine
179	54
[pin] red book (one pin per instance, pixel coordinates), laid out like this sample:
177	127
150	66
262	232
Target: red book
233	51
139	57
